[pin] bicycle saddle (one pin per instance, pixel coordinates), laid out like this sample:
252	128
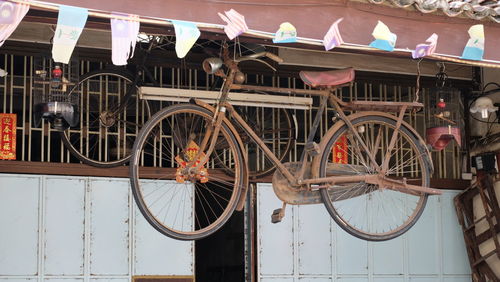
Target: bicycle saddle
327	78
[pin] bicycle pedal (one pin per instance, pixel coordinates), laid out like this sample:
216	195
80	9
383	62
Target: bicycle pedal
312	149
277	216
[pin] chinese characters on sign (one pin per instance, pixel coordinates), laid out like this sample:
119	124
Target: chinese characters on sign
8	136
340	150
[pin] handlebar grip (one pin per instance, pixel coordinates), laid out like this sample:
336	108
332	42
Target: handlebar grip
274	57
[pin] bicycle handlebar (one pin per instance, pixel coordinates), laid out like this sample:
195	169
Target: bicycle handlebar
256	56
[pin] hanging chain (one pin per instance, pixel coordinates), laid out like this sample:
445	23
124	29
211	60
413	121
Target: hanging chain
417	90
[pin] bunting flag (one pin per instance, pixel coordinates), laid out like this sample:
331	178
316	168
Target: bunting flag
236	24
285	34
475	46
70	25
186	34
123	39
384	38
424	49
11	15
333	38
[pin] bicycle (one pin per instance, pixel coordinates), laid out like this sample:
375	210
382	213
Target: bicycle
112	112
375	190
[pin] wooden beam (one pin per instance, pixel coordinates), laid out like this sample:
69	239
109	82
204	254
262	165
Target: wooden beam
22	167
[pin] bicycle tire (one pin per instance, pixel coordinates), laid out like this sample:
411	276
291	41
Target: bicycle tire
164	142
338	202
93	142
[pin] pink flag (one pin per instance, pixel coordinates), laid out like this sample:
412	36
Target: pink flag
123	38
332	37
423	49
11	15
235	23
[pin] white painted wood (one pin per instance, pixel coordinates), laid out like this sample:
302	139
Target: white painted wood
237	99
352	254
315	279
18	279
275	241
86	233
453	245
19	208
63	280
109	216
352	279
420	255
314	234
391	251
276	279
155	253
64	226
422	240
389	279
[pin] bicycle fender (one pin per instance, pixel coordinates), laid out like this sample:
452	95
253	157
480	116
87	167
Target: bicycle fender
340	123
241	201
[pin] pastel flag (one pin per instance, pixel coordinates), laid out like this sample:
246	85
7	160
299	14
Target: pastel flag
123	38
70	23
333	38
186	34
475	46
285	34
384	38
11	15
426	49
236	24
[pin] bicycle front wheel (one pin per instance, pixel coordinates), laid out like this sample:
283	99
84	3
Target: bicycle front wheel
179	200
104	136
368	211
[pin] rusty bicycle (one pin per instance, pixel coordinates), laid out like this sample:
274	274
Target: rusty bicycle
375	188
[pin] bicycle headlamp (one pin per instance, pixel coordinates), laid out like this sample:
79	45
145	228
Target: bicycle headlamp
211	65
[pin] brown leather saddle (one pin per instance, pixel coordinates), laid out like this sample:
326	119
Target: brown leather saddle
327	78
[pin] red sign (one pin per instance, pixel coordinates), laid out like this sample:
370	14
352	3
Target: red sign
8	136
340	150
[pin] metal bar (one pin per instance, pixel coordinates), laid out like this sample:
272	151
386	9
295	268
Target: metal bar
385	164
241	122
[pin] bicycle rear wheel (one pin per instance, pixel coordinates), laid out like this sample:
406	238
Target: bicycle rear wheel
103	138
368	211
198	202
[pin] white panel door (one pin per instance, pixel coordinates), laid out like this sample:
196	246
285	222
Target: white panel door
19	215
453	241
64	226
109	227
155	253
302	243
75	229
314	233
276	256
423	241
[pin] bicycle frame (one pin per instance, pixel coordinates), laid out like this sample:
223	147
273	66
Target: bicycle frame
325	95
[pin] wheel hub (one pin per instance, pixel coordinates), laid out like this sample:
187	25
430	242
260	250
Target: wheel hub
195	172
107	119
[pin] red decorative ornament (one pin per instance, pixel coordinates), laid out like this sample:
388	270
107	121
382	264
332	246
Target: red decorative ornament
441	104
57	72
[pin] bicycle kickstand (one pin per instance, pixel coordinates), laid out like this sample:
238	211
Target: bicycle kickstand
278	214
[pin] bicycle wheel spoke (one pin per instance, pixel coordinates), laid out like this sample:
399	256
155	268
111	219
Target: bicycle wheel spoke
203	202
386	212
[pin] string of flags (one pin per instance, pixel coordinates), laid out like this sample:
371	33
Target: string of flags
11	15
125	29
